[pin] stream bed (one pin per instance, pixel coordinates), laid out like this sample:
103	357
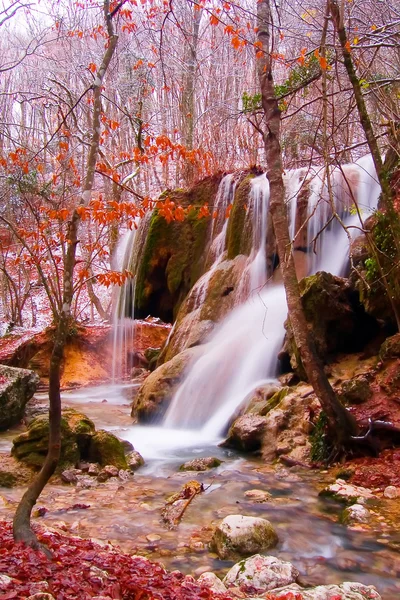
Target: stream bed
128	514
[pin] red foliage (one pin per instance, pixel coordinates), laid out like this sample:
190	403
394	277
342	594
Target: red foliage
70	577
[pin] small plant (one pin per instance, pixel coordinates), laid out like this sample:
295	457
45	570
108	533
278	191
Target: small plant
320	448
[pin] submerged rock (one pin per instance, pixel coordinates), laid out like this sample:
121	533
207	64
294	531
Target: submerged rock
201	464
17	386
239	535
259	574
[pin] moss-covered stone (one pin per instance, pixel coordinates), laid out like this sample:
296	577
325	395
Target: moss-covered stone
76	430
390	348
106	449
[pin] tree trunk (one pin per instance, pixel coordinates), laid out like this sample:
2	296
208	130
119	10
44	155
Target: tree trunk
21	523
341	424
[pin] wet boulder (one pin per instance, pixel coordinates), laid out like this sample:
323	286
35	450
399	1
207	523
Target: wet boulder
239	535
134	460
246	433
336	317
259	574
76	430
154	396
17	386
212	582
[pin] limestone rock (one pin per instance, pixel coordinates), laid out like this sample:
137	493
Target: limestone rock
106	449
239	535
259	574
344	591
201	464
17	386
246	433
157	391
76	431
213	582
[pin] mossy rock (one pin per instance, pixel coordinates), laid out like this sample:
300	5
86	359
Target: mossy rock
265	399
335	316
106	449
76	430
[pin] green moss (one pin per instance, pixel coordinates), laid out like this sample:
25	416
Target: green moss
31	447
237	241
106	449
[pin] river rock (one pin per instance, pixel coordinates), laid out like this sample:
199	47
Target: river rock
346	492
157	391
345	591
246	433
134	460
391	492
356	513
201	464
259	574
239	535
17	386
70	475
258	496
76	431
213	582
356	390
106	449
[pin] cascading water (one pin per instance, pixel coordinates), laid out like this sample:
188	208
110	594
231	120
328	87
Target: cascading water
242	351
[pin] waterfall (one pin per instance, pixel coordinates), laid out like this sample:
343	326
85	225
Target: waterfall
242	350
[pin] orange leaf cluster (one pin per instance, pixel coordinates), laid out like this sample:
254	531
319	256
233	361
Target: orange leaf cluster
114	278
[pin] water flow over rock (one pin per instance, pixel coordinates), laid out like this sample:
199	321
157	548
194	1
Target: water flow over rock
242	350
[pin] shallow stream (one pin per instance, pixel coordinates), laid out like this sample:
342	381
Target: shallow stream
129	513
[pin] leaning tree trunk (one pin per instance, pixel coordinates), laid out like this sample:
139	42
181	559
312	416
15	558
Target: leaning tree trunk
341	424
21	524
